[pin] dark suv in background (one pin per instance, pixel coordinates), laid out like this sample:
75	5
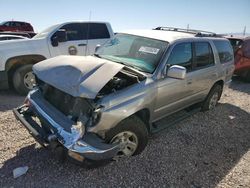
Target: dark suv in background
15	26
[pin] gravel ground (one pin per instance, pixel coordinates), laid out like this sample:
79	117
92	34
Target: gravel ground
209	149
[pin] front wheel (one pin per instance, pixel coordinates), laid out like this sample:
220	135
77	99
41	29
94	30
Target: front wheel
131	134
212	98
24	79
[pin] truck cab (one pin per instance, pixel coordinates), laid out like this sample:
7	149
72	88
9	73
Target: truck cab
71	38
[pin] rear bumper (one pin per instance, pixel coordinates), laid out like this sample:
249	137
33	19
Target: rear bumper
3	80
90	146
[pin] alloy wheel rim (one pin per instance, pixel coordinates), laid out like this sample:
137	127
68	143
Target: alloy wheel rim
29	80
128	142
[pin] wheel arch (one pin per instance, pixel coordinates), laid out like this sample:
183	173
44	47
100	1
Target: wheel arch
144	115
220	83
23	60
14	63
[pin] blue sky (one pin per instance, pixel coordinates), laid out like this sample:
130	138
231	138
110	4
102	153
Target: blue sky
222	16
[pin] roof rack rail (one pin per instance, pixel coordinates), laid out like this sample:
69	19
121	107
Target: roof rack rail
197	33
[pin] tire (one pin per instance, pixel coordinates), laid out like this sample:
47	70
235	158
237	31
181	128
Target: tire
212	98
247	78
133	125
20	76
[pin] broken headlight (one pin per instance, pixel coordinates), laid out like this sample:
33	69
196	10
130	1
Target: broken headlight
95	116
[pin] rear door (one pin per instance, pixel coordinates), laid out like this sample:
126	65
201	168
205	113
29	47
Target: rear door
97	34
226	58
204	71
16	26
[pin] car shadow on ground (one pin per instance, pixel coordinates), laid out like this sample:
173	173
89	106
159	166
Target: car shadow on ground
9	100
197	152
240	85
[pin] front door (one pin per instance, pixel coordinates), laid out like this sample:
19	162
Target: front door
82	39
76	41
173	94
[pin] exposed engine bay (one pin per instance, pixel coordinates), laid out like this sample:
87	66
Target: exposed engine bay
120	81
83	109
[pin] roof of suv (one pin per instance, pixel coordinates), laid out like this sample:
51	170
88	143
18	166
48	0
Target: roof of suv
167	36
171	34
18	21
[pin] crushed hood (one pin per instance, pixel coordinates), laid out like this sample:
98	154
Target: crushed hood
78	76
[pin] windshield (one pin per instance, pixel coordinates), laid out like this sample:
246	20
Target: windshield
138	52
45	32
2	23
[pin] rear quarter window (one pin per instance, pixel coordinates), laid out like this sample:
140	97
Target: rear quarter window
204	56
224	50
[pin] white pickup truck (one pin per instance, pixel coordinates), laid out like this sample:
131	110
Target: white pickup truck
71	38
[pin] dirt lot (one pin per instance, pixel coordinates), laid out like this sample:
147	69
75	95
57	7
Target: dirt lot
209	149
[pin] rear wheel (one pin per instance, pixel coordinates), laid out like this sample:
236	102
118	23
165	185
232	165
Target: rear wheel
212	98
24	79
132	134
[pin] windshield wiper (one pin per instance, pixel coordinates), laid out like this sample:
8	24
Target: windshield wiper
128	65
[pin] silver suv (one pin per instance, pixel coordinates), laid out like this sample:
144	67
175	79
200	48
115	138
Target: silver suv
104	106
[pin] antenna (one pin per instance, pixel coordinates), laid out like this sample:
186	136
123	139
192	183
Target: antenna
86	47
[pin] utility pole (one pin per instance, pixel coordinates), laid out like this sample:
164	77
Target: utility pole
187	27
244	31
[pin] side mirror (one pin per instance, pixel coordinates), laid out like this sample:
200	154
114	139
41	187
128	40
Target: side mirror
177	72
59	36
97	47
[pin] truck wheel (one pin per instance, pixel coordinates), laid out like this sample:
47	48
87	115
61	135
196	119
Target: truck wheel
132	134
23	79
212	98
247	78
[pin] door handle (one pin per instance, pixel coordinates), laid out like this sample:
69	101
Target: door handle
83	44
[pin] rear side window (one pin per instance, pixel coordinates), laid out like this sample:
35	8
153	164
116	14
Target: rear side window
181	55
225	51
203	55
98	31
16	24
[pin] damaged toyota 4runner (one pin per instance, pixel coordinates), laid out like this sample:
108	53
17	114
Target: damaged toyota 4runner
104	106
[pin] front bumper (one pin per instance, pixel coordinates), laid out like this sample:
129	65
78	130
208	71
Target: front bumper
56	128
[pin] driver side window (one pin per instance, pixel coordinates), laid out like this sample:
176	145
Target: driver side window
181	55
74	31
